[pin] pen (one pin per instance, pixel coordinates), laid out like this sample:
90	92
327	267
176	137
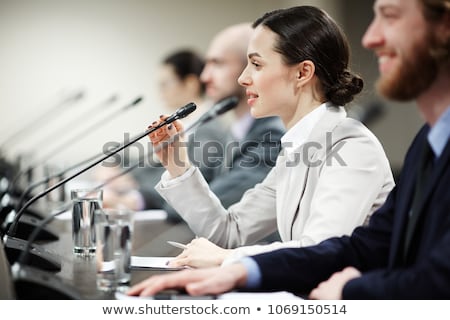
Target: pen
177	244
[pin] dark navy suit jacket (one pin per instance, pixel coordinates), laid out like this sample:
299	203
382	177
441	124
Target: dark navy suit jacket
377	249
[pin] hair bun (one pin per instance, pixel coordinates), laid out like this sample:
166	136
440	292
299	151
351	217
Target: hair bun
347	86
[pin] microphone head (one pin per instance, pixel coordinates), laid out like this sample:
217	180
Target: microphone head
225	105
186	110
181	113
135	102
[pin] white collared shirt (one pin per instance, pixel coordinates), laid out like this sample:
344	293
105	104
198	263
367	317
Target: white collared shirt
299	133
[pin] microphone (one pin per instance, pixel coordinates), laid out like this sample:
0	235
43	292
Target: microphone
182	112
43	119
87	114
4	210
88	130
13	246
218	109
29	280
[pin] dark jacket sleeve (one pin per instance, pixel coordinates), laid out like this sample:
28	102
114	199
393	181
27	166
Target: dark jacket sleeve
299	270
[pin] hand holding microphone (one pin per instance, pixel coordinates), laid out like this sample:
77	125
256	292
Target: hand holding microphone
170	147
167	140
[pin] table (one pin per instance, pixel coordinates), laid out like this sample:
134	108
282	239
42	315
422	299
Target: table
149	238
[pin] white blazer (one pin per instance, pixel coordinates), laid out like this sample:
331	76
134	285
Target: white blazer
308	196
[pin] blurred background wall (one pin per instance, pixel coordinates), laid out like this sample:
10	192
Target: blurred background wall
51	49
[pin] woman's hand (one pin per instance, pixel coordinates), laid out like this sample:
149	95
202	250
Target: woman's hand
200	253
172	154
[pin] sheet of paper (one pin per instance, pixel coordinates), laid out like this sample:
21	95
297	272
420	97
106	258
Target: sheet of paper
159	263
150	215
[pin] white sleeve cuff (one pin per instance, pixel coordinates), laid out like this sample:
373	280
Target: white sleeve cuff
167	181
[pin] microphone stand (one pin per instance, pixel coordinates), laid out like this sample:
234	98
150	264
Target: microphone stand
90	129
14	245
29	220
218	109
28	280
43	118
68	143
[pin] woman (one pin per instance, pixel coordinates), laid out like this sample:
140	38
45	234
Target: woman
332	173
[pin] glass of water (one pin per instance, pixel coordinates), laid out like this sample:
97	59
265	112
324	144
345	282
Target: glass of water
85	204
113	255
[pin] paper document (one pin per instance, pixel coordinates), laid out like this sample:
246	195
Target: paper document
159	263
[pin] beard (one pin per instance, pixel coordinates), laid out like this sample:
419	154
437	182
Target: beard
413	76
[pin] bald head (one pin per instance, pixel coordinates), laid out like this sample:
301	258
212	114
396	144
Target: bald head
234	38
225	59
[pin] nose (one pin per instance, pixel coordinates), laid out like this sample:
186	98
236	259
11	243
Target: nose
205	75
244	79
373	36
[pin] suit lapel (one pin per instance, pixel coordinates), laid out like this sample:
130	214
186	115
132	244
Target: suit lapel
293	174
430	186
405	190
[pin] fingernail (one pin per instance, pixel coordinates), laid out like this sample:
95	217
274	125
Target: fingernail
154	122
169	127
161	116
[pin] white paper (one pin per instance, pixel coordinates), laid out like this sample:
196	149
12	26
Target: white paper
150	215
152	262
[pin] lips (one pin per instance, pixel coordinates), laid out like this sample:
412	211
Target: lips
251	97
385	62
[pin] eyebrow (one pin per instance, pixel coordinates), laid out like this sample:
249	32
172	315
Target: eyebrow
253	54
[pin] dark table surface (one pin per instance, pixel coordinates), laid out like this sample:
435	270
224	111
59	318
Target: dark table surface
149	238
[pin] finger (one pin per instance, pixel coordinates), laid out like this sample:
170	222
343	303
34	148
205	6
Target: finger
313	294
172	281
210	285
179	262
137	288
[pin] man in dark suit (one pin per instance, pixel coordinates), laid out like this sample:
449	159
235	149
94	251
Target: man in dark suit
404	252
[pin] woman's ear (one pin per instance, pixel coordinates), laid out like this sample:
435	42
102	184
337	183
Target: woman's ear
305	71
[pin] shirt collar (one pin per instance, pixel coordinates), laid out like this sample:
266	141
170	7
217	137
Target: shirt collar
439	133
299	133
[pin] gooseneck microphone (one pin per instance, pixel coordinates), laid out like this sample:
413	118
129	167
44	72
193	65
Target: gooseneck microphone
218	109
14	246
61	173
56	133
29	280
88	130
10	206
13	187
44	118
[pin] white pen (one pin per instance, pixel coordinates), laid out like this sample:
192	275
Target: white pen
177	244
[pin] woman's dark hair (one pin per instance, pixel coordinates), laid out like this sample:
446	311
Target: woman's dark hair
185	63
308	33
